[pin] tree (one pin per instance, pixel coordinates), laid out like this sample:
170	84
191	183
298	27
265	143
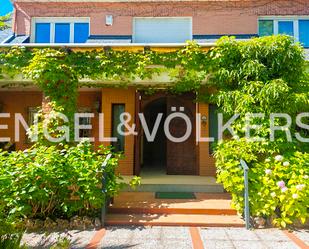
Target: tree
4	21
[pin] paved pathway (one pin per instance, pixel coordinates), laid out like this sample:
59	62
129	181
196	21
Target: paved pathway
177	238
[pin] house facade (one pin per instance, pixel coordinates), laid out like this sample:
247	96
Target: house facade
143	23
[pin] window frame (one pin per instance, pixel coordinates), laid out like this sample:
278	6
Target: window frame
112	128
85	133
161	17
277	19
53	21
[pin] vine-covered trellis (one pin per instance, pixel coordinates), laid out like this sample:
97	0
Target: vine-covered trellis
248	76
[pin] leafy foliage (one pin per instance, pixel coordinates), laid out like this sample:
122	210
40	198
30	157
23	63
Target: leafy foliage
4	21
10	236
278	185
263	75
53	181
256	75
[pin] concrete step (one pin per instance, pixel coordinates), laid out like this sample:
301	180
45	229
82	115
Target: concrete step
176	183
146	203
174	220
206	188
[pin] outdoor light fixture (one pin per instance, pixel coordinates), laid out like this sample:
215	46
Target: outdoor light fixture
109	20
204	119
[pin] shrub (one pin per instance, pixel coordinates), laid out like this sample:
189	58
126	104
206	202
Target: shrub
10	235
278	185
263	75
56	181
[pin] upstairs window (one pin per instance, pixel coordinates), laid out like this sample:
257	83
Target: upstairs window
60	30
266	27
304	32
162	29
62	33
297	27
42	31
286	27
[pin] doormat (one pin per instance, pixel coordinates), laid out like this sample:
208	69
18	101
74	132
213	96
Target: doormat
175	195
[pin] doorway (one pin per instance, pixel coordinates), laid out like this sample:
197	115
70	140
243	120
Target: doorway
163	156
154	152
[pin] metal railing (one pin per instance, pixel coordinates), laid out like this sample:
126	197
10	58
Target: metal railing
104	190
245	168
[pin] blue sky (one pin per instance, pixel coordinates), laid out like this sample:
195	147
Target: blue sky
5	7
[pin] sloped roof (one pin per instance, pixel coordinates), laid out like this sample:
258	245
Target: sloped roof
4	34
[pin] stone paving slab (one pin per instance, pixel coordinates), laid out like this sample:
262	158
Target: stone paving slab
241	238
79	239
146	237
303	235
138	237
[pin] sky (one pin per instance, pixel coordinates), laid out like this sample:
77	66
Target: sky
5	7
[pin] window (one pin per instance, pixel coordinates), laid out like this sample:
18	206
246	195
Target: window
32	111
117	110
60	30
162	29
42	31
84	133
213	126
297	27
266	27
286	27
81	32
304	32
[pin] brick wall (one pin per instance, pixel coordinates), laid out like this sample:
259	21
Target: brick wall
209	17
18	102
87	100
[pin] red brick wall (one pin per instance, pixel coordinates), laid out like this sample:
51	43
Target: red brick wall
17	102
87	100
209	17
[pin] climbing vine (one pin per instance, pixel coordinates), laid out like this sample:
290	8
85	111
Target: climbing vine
223	74
240	77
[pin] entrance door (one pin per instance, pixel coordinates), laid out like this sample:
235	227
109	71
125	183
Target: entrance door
181	156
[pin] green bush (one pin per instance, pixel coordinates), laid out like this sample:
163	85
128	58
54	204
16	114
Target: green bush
264	75
278	185
10	235
56	181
